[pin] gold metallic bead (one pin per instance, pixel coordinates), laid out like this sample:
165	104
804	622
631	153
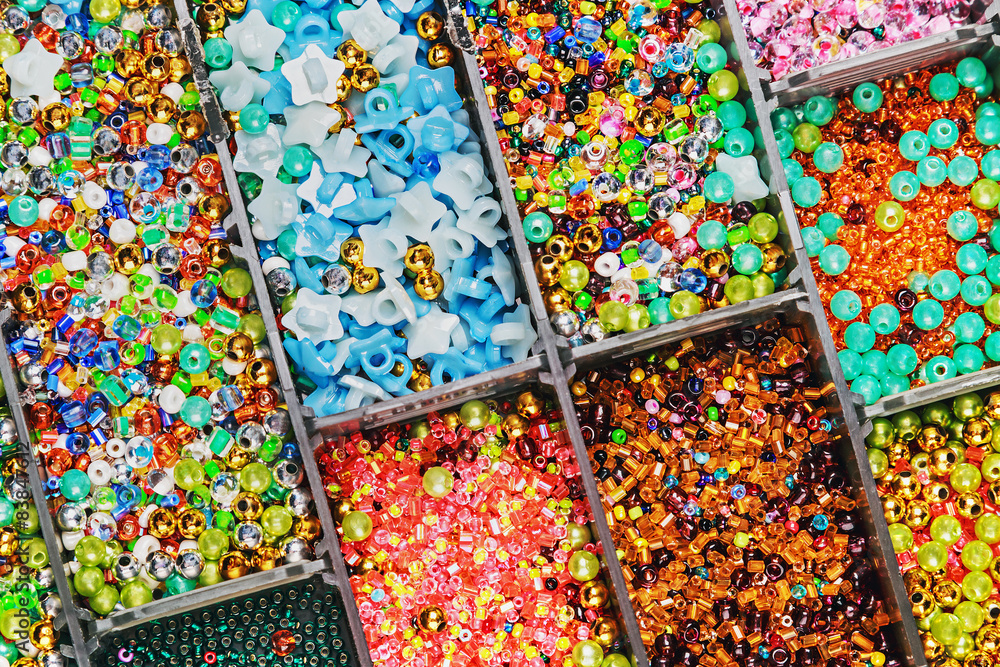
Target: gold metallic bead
352	251
430	25
988	639
365	279
261	373
341	508
139	90
307	527
43	635
339	125
977	432
235	6
344	89
156	66
9	541
451	420
993	493
970	505
514	426
557	300
440	55
906	485
897	450
179	69
593	594
238	346
547	270
588	238
774	257
213	206
936	492
211	17
932	437
128	258
233	565
420	382
418	257
933	650
428	284
604	631
364	566
55	117
529	405
161	109
991	403
365	78
922	603
191	523
247	506
560	246
715	263
233	121
216	251
4	83
894	508
351	54
128	62
921	463
915	578
191	125
942	461
432	619
992	609
26	297
162	523
979	659
918	514
947	593
649	121
398	369
266	558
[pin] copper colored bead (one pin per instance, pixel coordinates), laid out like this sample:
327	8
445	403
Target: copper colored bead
547	270
514	426
238	346
266	558
341	508
216	252
262	372
211	17
128	62
233	565
604	631
26	298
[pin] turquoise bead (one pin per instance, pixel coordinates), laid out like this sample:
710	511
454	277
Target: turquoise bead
738	142
806	192
850	363
732	114
845	305
195	411
976	290
890	384
286	243
987	109
659	310
829	223
538	227
937	369
867	97
875	364
74	485
834	260
218	53
819	110
859	337
968	327
932	171
943	133
718	187
254	118
868	387
286	15
962	226
963	170
813	240
747	258
993	270
828	157
793	170
712	235
901	359
298	161
918	281
970	72
944	87
988	130
971	259
786	145
23	211
783	118
904	185
990	165
751	110
711	57
928	314
884	318
944	285
914	145
968	359
992	346
985	88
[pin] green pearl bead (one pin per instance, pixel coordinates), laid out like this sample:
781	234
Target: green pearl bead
867	97
763	227
943	133
900	534
932	171
276	521
103	603
829	157
236	283
914	145
807	137
986	192
988	525
944	285
968	359
711	58
738	142
851	364
963	171
890	216
538	227
890	383
188	473
212	543
901	359
613	315
868	387
297	161
944	87
793	170
967	406
136	593
74	485
945	628
747	258
584	566
834	260
970	72
89	551
218	53
884	318
438	482
574	276
969	327
928	314
971	259
829	223
946	529
786	145
588	653
845	305
882	433
977	586
711	235
904	185
976	290
732	114
970	613
13	624
738	289
254	118
683	304
807	192
813	240
874	363
819	110
859	337
718	187
988	130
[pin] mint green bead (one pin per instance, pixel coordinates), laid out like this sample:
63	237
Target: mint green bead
195	358
901	359
932	171
987	109
834	260
711	58
786	145
829	157
890	384
807	137
970	72
928	314
868	387
819	110
732	114
196	411
968	327
813	240
829	223
23	211
962	226
74	485
904	185
747	258
659	310
944	285
884	318
738	289
990	165
859	337
297	161
793	170
718	187
807	191
851	363
845	305
218	53
985	193
971	259
992	346
254	119
993	270
874	363
867	97
963	171
944	87
976	290
783	118
943	133
538	227
988	130
995	236
286	15
914	145
968	359
711	235
286	243
738	142
918	281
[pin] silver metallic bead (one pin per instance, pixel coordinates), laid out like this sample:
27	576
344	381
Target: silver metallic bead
50	659
17	488
45	577
281	282
71	516
8	431
51	604
287	473
565	323
299	501
248	535
126	567
159	565
296	549
190	563
251	436
593	330
277	422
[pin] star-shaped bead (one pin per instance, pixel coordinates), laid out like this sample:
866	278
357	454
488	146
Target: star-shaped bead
318	236
502	272
516	335
384	182
315	316
313	76
358	307
450	243
259	153
275	208
365	207
368	26
340	154
309	123
238	86
481	221
321	190
437	131
745	174
255	41
392	304
429	88
32	71
430	334
311	28
416	211
398	56
460	178
381	112
384	247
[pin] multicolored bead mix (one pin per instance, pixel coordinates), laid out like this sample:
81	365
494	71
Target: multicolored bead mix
297	625
627	140
938	473
467	534
168	456
734	520
896	190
